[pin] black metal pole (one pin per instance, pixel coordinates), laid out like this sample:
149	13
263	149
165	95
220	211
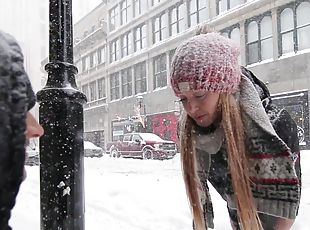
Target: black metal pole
61	115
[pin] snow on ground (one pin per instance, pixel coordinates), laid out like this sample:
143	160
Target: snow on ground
132	194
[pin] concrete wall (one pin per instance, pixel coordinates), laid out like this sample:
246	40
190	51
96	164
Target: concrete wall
286	73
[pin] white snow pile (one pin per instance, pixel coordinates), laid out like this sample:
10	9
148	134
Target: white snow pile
132	194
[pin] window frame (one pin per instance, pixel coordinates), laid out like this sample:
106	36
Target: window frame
140	77
229	29
258	19
115	50
228	6
101	54
115	86
293	6
91	60
127	7
101	88
157	2
85	90
161	29
128	46
134	2
126	78
162	73
92	91
196	12
84	64
179	18
141	38
115	18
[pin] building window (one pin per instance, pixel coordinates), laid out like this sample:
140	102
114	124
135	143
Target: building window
93	91
91	60
136	7
303	25
160	27
101	55
287	30
126	82
259	39
114	18
140	37
198	11
233	33
126	11
154	2
114	83
78	64
225	5
126	44
177	20
140	77
101	88
114	50
294	27
85	91
160	71
139	6
266	41
85	63
171	53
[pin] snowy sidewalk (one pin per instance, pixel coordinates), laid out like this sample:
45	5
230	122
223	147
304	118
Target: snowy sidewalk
129	194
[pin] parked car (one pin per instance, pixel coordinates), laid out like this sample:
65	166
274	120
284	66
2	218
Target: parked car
32	155
92	150
142	145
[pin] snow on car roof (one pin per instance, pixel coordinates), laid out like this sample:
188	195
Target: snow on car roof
89	145
150	137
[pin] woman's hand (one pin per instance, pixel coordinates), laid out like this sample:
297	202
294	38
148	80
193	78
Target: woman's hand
284	224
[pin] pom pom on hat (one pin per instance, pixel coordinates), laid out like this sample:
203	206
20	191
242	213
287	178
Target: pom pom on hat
206	62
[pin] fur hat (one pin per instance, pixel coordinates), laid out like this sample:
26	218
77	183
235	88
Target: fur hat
206	62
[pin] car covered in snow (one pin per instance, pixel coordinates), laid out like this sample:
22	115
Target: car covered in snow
32	155
142	145
92	150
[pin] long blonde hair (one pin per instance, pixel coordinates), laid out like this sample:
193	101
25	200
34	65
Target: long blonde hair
237	161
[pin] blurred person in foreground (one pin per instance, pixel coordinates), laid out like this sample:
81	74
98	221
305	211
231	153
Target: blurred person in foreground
234	137
17	124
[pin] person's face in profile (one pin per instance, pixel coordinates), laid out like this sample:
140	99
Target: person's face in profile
33	129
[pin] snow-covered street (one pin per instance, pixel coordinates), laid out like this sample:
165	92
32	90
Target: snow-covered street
131	194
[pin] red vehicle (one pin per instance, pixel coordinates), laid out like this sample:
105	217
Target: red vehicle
142	145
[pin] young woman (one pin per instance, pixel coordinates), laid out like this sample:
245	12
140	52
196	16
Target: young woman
232	136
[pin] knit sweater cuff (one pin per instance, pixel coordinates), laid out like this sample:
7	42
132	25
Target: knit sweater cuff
282	209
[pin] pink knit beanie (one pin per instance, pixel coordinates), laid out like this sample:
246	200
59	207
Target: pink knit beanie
206	62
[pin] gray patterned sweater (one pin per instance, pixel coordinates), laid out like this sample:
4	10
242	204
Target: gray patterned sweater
273	157
16	98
